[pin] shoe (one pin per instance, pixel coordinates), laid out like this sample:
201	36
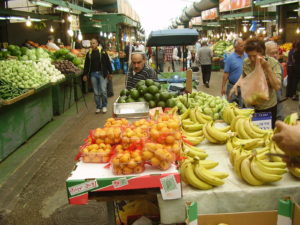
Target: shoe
207	85
98	111
104	109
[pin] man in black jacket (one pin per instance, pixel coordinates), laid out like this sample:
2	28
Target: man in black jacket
97	65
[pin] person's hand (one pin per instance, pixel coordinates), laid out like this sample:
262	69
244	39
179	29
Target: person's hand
109	76
84	78
181	60
263	62
223	91
233	91
288	138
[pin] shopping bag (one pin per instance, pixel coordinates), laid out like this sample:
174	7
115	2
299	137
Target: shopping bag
254	87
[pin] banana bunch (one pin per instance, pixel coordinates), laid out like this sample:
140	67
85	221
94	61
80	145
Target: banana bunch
191	151
248	144
256	168
194	116
246	129
231	110
295	171
215	135
197	173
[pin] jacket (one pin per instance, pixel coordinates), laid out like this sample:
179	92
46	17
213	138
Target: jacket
106	67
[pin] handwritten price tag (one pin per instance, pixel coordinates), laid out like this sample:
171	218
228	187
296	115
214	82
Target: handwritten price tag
120	183
170	188
84	187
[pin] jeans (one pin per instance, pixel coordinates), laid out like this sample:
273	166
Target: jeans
160	67
234	98
100	89
206	71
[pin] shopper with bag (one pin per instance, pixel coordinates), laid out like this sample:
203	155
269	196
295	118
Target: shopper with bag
260	80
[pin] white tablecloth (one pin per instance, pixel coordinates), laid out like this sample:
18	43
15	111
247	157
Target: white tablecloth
234	196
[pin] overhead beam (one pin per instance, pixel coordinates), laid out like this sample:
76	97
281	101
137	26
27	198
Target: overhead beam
9	12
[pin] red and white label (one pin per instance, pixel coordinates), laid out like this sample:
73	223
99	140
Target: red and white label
84	187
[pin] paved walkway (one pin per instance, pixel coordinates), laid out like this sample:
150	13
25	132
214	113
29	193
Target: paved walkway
32	185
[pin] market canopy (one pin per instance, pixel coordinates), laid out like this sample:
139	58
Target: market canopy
172	37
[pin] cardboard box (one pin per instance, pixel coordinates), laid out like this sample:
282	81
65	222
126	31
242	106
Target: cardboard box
247	218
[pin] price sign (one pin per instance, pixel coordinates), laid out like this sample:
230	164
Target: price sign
120	183
170	188
83	187
263	120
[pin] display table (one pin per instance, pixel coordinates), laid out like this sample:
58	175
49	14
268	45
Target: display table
94	177
234	196
22	119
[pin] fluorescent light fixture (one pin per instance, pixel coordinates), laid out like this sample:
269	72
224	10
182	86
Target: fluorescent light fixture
16	18
28	22
88	15
245	29
97	25
41	3
3	18
79	36
101	33
266	21
245	21
241	34
51	29
248	17
64	9
280	30
298	31
262	28
279	3
292	17
35	20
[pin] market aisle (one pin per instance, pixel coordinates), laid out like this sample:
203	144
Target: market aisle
36	192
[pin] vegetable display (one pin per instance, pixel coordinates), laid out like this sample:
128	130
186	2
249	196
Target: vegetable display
7	91
48	70
21	74
222	47
67	67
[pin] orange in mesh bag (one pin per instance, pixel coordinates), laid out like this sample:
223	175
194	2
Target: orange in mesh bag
254	87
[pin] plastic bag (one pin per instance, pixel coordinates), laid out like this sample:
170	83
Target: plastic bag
254	87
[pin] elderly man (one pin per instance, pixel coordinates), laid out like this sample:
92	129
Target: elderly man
204	57
233	70
272	51
139	70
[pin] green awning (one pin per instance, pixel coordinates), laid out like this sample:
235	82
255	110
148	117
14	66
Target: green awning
242	15
270	2
69	5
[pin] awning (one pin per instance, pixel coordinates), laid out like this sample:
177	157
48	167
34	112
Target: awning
174	37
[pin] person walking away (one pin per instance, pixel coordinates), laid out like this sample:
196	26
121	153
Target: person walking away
272	51
180	56
168	59
233	70
159	59
205	55
290	72
97	66
255	50
139	70
51	44
296	71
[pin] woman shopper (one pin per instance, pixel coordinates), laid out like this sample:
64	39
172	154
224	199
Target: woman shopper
97	66
255	50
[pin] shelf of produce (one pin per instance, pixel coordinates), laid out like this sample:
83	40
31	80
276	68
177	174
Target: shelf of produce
21	120
94	177
234	196
16	99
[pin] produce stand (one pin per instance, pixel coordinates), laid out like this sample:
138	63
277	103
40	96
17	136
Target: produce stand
23	118
234	196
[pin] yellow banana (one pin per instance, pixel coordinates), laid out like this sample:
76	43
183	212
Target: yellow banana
248	143
208	137
192	134
187	122
231	115
240	156
224	129
243	112
250	131
233	122
219	174
186	114
295	171
273	164
191	153
195	140
247	175
193	115
208	164
259	130
225	115
193	180
229	145
220	136
241	130
267	169
194	127
181	169
272	150
262	175
202	174
202	118
277	149
187	146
